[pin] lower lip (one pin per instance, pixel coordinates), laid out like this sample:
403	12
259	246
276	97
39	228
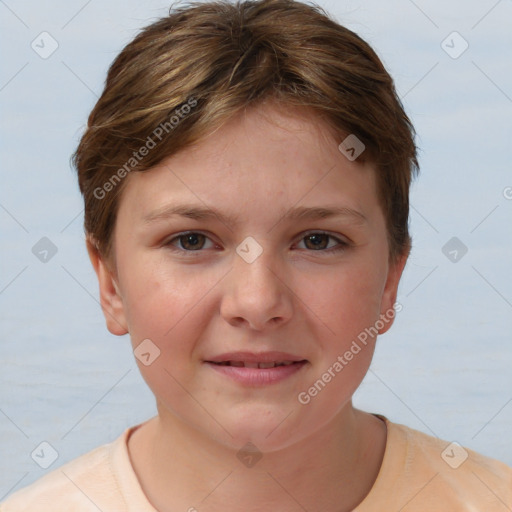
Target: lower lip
258	376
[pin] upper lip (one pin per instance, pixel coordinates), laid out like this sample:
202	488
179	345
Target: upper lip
255	357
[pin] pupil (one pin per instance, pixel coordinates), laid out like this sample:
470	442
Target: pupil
192	239
317	240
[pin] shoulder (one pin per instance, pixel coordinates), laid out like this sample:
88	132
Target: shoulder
83	484
440	471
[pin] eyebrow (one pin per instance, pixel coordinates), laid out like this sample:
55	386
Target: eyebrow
195	212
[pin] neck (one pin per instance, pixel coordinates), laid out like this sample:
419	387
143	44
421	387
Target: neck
333	470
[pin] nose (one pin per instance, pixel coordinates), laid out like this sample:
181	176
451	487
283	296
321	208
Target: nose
256	296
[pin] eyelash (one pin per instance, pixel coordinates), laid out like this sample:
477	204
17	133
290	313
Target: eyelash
342	245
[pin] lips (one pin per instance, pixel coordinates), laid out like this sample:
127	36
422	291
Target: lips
256	369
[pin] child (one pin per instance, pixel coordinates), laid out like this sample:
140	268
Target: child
246	175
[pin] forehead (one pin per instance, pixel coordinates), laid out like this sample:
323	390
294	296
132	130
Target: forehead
260	162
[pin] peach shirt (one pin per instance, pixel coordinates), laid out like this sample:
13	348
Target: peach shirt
419	473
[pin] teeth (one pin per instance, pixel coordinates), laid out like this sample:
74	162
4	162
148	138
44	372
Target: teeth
250	364
266	365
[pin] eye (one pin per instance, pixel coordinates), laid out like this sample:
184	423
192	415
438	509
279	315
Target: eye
319	241
193	241
188	242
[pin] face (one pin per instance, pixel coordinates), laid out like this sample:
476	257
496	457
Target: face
253	262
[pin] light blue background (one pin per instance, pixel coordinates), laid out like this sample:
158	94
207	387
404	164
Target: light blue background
445	366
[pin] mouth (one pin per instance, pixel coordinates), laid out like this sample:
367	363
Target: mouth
252	364
251	369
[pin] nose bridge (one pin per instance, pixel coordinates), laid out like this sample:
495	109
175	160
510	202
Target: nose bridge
255	292
257	275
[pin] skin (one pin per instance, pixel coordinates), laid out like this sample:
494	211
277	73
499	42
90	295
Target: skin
294	298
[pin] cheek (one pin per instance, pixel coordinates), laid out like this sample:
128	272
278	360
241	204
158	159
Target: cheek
165	309
346	302
348	307
172	310
158	300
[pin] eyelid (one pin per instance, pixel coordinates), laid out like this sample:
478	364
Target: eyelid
342	242
177	236
337	236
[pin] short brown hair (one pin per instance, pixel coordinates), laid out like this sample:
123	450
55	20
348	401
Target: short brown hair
188	73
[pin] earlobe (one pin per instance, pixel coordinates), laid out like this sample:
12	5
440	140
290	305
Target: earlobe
387	312
110	295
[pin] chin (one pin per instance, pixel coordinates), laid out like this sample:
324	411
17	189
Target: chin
267	428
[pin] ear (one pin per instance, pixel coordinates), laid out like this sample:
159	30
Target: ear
387	310
110	296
